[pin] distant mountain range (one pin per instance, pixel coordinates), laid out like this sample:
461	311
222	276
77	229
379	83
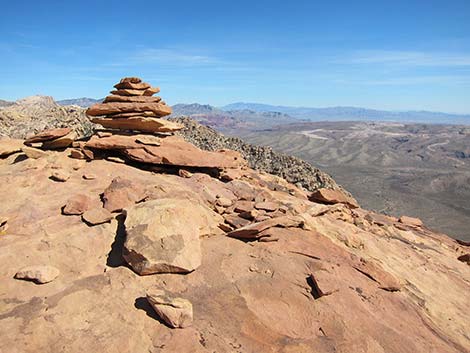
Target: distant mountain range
258	114
354	114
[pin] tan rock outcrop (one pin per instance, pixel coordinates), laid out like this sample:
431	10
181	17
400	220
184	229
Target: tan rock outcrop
163	236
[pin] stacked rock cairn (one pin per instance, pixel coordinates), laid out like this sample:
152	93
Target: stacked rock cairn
132	106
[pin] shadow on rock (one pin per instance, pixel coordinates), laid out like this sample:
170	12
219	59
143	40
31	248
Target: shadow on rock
142	303
115	258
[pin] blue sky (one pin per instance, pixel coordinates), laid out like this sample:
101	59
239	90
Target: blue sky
394	55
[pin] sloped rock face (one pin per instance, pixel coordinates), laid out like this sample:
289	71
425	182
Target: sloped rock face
236	259
336	279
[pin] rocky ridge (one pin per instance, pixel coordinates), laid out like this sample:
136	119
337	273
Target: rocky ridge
292	169
34	114
142	242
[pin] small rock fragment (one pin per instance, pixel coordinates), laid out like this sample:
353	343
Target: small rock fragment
97	216
174	311
39	274
184	173
76	205
60	175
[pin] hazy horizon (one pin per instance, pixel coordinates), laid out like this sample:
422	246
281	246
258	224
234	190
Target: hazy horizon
396	56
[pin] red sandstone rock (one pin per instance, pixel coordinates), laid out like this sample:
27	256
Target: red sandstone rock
125	107
333	196
174	150
77	204
411	221
97	216
141	123
130	85
48	135
132	99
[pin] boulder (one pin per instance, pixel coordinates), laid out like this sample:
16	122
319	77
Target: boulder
141	123
175	312
163	235
329	196
124	107
39	274
122	193
9	146
47	135
97	216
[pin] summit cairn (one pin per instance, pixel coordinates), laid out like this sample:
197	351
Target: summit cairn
132	106
138	133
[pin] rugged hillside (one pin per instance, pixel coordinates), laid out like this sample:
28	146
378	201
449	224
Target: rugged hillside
416	169
36	113
294	170
127	245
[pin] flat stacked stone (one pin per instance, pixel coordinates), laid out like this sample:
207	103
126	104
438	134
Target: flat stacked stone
52	139
133	106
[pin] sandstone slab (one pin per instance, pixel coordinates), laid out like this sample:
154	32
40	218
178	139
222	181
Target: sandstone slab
174	311
411	221
131	85
97	216
9	146
77	204
253	231
60	142
48	135
173	150
141	123
130	99
329	196
125	107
